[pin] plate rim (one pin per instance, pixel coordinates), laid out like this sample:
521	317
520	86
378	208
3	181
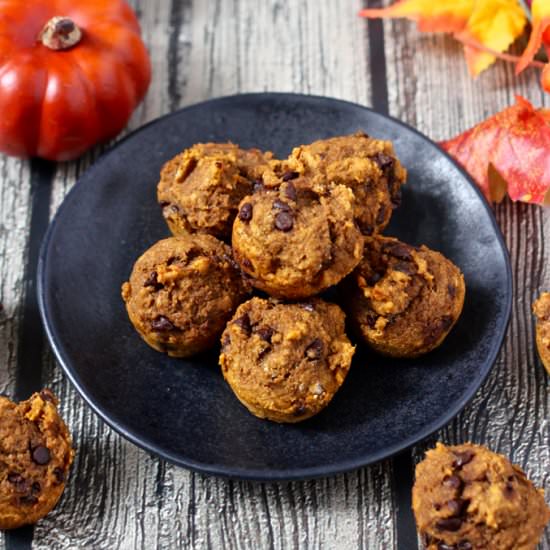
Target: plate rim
258	474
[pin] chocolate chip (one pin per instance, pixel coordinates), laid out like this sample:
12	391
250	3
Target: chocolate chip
464	545
409	268
244	323
315	350
284	221
41	455
308	307
384	161
508	490
399	250
366	229
35	488
20	483
59	475
287	176
290	192
265	333
443	546
381	216
458	506
454	482
162	324
258	185
280	205
373	279
451	289
246	263
28	499
371	320
152	281
164	204
264	352
449	524
47	395
462	458
299	410
245	213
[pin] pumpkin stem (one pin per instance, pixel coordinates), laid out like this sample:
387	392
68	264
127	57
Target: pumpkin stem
60	33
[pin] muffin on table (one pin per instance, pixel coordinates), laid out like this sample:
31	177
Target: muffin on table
200	189
369	167
35	457
403	300
466	497
285	361
181	293
293	242
541	309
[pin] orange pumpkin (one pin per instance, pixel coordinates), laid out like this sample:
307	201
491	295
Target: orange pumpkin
71	74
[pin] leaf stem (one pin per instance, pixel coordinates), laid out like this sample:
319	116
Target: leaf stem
526	9
504	56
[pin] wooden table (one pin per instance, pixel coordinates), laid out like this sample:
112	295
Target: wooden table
121	497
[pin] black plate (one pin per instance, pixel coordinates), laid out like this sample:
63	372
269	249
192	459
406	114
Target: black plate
182	410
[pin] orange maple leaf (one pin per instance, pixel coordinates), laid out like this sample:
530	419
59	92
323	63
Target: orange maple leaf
431	15
508	152
539	35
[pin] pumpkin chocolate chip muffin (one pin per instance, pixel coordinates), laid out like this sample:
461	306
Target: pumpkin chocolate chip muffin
404	300
181	293
35	457
200	189
541	309
367	166
294	242
285	361
468	498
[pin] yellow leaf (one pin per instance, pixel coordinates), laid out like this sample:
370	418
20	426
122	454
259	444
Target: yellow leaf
494	25
431	15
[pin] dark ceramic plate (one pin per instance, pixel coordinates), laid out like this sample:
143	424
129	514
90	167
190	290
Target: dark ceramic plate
182	410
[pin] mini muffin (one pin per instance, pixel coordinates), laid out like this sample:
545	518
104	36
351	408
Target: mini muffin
35	457
367	166
404	300
541	309
469	498
200	189
181	293
285	362
294	242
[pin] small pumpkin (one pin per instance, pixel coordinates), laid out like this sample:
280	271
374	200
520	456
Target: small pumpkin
71	74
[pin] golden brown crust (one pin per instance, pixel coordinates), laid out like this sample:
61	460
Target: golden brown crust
404	300
285	362
294	242
35	457
367	166
181	293
468	498
541	309
200	189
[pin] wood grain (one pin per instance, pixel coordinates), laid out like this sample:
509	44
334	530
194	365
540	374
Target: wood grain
121	497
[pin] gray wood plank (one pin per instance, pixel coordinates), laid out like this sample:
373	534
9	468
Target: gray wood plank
510	412
120	497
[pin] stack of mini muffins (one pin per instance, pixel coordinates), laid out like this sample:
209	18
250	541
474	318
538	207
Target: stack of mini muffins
290	230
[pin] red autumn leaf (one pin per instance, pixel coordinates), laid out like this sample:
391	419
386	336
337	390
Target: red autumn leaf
508	152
